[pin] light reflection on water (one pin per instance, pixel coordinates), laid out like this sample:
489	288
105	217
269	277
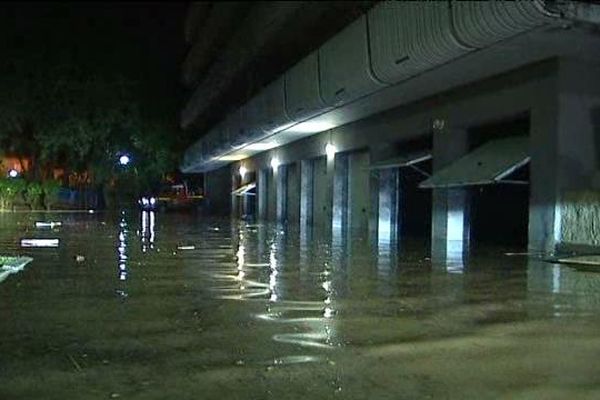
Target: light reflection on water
261	310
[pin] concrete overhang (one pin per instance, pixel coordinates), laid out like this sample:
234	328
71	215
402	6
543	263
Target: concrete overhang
546	42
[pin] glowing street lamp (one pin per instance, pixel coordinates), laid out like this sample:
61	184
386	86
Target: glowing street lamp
124	159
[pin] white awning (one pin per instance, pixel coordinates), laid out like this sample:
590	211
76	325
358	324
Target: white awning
487	164
402	161
244	190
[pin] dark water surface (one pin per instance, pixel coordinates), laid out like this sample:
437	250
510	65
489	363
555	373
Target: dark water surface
177	307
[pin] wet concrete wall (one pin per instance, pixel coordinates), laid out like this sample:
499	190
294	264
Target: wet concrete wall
580	218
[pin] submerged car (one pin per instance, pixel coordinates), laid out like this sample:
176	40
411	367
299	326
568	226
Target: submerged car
147	203
171	197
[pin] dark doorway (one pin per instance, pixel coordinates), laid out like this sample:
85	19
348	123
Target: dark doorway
500	212
414	204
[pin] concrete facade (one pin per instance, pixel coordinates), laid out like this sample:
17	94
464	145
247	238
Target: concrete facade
560	98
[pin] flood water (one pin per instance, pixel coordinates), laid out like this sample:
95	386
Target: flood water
179	307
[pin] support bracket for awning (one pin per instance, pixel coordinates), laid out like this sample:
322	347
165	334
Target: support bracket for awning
244	190
487	164
409	160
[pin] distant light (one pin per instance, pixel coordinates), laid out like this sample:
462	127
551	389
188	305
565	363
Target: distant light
330	150
13	173
152	200
261	146
243	171
274	163
124	159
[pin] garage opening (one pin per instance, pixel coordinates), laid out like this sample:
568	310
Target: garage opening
495	176
246	198
500	212
412	163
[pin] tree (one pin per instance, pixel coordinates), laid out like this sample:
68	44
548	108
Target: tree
69	105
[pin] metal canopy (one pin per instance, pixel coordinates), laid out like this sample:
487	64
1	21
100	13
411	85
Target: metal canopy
402	161
244	190
487	164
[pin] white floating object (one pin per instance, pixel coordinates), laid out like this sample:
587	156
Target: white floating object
40	224
186	247
39	242
90	211
12	265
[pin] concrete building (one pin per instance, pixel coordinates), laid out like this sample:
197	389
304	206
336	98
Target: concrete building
460	121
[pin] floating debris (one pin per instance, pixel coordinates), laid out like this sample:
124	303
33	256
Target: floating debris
12	265
79	258
75	363
51	224
186	247
39	242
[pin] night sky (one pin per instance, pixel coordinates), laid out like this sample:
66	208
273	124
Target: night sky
141	41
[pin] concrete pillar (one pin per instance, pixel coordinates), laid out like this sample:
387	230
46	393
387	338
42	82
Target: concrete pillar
272	194
450	224
450	213
322	193
340	194
306	192
281	193
358	192
293	194
236	201
565	131
388	219
262	191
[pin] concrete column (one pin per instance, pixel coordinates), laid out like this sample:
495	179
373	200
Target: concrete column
293	193
272	194
306	192
388	221
236	201
358	192
450	214
450	228
281	193
322	193
565	132
262	192
340	194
